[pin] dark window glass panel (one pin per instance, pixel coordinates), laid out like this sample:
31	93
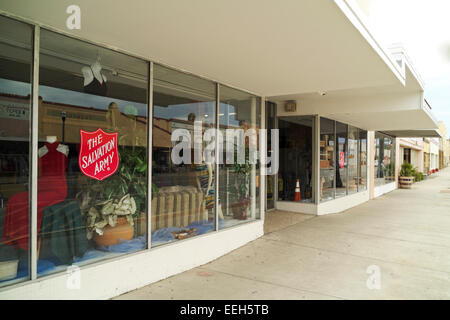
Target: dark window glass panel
15	102
327	159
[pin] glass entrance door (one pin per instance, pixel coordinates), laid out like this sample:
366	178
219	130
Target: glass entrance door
270	180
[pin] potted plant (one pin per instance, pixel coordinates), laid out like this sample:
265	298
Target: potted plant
111	207
239	190
418	176
406	178
389	172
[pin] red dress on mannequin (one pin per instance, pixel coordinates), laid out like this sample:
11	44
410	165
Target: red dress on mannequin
52	189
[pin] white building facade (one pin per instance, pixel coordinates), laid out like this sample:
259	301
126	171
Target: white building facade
79	224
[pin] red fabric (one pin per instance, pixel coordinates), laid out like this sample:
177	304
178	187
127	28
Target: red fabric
52	189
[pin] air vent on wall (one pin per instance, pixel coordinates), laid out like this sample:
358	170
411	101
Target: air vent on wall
290	106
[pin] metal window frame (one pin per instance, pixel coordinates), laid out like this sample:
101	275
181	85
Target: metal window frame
316	160
262	162
347	149
149	156
358	163
267	106
334	160
33	152
217	167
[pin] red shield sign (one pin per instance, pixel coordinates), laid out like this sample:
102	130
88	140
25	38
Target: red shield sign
98	158
341	159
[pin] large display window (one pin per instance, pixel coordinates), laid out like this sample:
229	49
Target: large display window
343	160
183	175
15	91
384	159
327	159
362	163
239	179
92	184
353	159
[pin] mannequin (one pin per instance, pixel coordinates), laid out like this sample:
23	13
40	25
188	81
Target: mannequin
61	147
205	170
94	80
52	189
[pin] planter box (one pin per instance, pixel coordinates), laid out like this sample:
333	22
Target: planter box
406	182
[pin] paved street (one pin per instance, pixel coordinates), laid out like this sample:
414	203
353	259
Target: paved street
406	234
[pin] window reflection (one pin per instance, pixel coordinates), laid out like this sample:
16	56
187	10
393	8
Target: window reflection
92	185
15	89
353	159
341	160
327	159
239	179
183	195
362	163
384	159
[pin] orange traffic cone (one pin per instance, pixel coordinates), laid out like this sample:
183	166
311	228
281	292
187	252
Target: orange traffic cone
297	196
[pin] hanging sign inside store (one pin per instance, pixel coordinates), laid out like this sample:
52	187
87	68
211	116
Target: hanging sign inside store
341	159
99	157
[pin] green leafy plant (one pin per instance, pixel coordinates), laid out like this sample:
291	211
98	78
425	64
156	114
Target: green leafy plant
418	176
130	178
407	170
390	170
239	190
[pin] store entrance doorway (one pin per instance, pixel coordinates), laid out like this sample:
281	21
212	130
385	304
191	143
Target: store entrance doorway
296	158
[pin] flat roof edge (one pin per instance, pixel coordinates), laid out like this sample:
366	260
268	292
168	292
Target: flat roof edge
354	14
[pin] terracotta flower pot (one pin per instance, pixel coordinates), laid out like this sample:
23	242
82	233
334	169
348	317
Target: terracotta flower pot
111	235
240	209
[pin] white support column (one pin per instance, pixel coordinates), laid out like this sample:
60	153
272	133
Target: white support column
316	159
217	168
149	156
262	162
32	194
253	166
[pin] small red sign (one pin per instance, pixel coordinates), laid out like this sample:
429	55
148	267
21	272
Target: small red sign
99	157
341	159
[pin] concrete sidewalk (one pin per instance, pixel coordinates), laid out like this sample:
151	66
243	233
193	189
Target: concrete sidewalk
406	234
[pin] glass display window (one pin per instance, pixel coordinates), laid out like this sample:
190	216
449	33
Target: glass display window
15	92
327	159
92	183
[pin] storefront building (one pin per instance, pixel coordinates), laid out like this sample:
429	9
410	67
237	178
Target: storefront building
443	156
434	154
94	202
411	151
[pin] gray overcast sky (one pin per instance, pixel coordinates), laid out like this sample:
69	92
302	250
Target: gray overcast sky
423	28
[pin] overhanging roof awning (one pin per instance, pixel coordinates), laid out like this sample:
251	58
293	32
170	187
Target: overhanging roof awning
269	48
283	51
432	133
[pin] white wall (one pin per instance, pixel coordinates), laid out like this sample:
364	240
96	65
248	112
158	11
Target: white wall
328	207
380	190
342	204
107	279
